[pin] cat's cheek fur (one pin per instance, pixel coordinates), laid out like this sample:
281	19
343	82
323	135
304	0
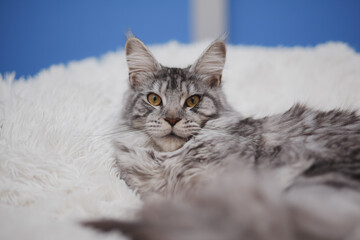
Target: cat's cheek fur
207	108
138	113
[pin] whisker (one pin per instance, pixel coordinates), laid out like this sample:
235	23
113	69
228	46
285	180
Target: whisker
115	132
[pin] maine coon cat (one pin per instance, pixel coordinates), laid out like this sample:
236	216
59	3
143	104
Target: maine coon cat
288	176
165	107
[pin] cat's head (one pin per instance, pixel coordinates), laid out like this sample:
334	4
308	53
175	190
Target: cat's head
172	104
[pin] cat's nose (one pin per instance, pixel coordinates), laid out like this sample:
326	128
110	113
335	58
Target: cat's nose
172	121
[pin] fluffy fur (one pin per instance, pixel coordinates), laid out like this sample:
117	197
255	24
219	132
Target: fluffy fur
56	127
314	149
247	205
173	86
309	145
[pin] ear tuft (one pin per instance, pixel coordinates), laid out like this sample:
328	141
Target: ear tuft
211	63
139	59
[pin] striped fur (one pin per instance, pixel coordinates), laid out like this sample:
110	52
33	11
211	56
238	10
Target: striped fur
174	86
294	175
289	176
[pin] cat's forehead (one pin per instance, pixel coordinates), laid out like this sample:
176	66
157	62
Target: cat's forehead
170	72
175	80
172	77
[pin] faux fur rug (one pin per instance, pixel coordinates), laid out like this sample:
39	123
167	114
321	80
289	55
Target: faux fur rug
56	128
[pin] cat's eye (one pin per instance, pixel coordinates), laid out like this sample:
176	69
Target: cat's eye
154	99
192	101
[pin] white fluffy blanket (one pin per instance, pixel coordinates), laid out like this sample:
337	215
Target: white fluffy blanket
55	128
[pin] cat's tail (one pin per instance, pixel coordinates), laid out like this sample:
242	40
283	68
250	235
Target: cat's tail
135	230
246	207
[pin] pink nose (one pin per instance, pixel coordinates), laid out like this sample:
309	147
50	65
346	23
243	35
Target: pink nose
172	121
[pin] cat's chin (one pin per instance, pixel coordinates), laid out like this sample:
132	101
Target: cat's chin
169	143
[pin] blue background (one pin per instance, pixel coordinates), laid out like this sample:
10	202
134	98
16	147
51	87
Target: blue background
35	34
38	33
294	22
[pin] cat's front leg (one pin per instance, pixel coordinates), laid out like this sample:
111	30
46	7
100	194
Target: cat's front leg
140	168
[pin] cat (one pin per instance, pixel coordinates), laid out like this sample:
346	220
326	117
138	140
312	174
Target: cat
293	175
165	107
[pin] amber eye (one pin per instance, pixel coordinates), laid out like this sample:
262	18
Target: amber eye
192	101
154	99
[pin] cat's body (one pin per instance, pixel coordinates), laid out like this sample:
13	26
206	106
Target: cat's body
237	178
298	144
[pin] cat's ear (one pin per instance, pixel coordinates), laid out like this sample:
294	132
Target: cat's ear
211	63
139	60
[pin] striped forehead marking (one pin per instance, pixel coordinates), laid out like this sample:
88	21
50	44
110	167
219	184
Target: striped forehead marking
173	77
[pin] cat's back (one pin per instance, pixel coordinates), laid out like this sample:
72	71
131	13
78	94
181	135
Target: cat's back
320	144
334	130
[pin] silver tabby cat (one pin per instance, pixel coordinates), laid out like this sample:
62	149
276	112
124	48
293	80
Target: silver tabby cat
217	175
